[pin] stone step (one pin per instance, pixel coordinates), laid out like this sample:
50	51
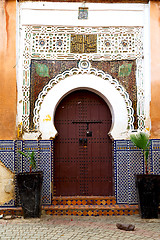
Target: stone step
81	206
79	210
88	206
17	211
91	210
83	200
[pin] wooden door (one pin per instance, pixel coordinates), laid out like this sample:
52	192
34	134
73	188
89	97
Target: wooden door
83	149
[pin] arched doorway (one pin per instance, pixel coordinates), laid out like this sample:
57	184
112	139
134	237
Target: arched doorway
83	149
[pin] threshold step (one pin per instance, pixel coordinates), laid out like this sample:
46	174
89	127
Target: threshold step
91	210
83	200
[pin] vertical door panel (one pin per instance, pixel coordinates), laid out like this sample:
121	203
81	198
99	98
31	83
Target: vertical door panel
83	164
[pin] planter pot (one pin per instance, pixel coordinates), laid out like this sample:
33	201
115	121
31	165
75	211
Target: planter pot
30	189
148	191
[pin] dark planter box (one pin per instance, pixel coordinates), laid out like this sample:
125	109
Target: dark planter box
148	190
30	190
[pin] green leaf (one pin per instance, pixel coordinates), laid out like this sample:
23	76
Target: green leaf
140	140
30	157
33	161
23	154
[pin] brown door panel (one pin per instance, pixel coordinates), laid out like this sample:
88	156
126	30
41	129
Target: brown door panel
83	149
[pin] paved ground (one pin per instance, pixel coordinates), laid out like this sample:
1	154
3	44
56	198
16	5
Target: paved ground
75	228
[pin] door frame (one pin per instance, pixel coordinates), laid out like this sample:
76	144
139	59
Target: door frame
109	89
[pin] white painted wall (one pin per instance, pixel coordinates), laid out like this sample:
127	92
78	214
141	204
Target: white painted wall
43	13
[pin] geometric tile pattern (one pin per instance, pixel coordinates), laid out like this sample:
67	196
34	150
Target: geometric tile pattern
10	203
17	163
155	153
43	156
7	151
29	146
128	161
92	210
52	42
9	210
46	40
117	210
83	200
122	37
18	157
89	206
134	167
46	166
80	209
122	177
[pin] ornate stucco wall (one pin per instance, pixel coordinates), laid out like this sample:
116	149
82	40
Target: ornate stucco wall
52	40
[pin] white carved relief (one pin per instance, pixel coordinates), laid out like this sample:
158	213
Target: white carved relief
53	43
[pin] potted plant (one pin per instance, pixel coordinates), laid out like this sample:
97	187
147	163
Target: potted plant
148	185
30	188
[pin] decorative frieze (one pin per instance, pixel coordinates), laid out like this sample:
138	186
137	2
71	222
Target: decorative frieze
99	44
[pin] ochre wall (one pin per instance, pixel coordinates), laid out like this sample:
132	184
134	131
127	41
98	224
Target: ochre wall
155	68
7	69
